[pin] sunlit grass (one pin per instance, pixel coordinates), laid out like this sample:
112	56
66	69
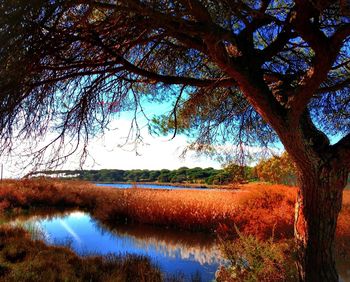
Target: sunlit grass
33	229
257	209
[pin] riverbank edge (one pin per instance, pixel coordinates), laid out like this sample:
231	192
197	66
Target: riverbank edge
23	257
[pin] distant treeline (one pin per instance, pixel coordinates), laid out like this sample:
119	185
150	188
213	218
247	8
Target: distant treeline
181	175
277	169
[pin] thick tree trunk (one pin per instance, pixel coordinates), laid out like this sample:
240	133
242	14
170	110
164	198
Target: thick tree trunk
318	205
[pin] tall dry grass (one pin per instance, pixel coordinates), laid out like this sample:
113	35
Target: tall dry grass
257	209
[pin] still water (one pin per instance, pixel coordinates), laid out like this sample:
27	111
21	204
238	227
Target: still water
173	251
192	254
152	186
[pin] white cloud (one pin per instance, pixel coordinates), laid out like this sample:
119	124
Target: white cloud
155	153
105	152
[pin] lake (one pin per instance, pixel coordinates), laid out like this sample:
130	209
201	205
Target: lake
152	186
192	254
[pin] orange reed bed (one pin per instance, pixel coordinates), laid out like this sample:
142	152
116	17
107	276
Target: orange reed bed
258	209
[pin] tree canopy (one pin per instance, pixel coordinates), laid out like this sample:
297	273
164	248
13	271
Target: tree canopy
235	66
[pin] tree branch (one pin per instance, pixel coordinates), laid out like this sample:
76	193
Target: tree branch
178	25
197	10
283	37
326	51
167	79
335	87
341	34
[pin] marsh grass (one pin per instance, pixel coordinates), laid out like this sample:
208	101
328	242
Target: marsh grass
257	209
33	229
186	209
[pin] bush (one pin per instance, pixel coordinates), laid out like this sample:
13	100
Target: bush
278	169
250	259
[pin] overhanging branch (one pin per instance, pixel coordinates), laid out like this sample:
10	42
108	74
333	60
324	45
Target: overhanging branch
335	87
166	79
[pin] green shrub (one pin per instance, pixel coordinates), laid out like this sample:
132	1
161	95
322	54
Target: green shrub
250	259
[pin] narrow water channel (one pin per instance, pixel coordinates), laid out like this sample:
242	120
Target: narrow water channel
149	186
192	255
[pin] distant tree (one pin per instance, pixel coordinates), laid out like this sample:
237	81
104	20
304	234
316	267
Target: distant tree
238	173
154	174
244	72
145	175
219	178
164	176
134	175
118	175
278	169
196	174
178	178
199	175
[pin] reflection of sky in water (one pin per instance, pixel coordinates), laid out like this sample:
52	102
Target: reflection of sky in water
138	185
171	254
173	251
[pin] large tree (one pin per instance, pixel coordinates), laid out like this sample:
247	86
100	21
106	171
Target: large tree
241	71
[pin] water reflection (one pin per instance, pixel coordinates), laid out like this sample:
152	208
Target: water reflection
187	246
174	251
152	186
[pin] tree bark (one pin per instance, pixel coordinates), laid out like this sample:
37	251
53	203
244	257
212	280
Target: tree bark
318	204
